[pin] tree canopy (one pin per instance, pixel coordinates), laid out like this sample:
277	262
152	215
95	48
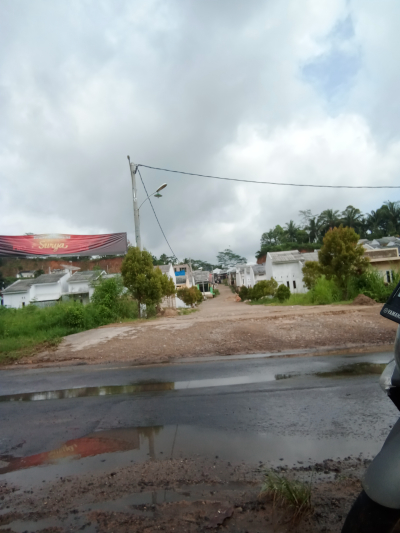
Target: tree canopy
309	233
228	259
146	284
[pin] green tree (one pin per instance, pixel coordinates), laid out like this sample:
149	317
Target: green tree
283	293
107	294
330	219
291	231
167	284
351	217
341	257
141	279
39	272
266	287
311	273
190	296
229	259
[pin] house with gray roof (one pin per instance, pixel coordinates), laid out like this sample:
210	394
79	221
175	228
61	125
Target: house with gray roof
286	268
81	285
17	294
43	291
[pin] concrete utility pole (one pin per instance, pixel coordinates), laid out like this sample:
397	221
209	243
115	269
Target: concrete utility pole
133	169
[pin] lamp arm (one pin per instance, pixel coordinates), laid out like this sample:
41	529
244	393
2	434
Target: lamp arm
145	200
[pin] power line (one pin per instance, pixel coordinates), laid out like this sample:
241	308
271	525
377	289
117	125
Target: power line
162	231
274	182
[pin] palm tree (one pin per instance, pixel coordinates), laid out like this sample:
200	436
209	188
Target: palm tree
330	219
390	213
291	231
351	217
314	227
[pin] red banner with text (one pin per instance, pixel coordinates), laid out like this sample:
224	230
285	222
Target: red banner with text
63	245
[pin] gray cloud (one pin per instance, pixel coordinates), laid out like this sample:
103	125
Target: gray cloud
202	86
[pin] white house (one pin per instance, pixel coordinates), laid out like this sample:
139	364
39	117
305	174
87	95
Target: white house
48	288
42	291
249	275
80	285
286	268
18	294
25	274
170	301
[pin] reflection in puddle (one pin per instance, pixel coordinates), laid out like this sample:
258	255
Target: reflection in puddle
97	443
138	444
355	369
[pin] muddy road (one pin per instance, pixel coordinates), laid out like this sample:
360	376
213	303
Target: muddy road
125	448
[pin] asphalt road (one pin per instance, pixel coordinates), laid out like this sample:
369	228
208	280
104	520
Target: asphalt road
271	409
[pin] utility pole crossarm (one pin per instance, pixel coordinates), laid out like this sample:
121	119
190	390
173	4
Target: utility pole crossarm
133	168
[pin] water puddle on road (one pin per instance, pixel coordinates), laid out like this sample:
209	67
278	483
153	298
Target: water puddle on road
266	376
117	448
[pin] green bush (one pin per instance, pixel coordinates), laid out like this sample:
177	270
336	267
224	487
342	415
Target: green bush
325	292
283	293
267	287
74	316
244	293
372	284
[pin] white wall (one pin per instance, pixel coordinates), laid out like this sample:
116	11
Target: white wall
16	300
50	291
285	273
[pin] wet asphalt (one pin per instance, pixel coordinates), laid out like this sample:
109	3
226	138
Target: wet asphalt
272	409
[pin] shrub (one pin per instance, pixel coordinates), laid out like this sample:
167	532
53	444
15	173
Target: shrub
244	293
190	296
264	288
372	284
295	494
283	293
325	292
74	316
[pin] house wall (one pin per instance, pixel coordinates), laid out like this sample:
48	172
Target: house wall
16	300
50	291
385	268
285	273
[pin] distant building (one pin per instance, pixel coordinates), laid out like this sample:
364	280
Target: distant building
183	275
286	268
43	291
80	285
383	255
26	274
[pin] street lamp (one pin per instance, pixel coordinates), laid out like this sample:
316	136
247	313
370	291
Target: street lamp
133	168
155	193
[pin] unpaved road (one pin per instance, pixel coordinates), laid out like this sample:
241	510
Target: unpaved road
222	326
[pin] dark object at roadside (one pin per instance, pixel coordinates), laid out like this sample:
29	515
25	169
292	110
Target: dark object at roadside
391	309
220	517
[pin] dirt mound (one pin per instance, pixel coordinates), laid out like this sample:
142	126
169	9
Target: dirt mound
169	311
361	299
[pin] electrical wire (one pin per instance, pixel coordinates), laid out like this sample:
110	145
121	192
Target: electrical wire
162	231
274	182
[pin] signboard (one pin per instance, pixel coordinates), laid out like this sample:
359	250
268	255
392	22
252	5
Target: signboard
63	245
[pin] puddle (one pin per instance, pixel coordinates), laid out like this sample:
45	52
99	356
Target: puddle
267	375
135	388
354	369
117	448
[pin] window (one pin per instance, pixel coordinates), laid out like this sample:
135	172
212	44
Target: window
288	284
388	276
294	284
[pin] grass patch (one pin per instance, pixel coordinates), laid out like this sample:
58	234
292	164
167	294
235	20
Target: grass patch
184	311
296	495
27	331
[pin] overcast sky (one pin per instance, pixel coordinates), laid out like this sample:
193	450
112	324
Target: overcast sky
276	90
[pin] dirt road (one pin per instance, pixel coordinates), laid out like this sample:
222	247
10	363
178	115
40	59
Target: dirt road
222	326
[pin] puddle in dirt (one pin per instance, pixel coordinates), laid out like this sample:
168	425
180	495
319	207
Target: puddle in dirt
354	369
349	370
102	451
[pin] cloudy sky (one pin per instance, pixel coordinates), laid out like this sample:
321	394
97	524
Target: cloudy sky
276	90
